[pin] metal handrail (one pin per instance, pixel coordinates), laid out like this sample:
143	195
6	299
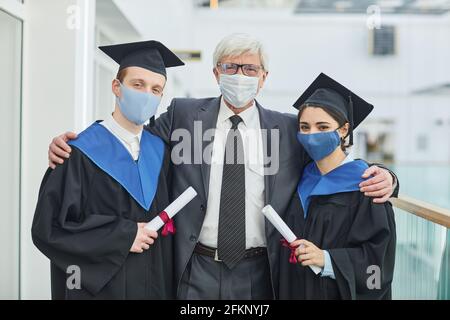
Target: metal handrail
423	209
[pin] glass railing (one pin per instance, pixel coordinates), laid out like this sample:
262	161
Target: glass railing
422	265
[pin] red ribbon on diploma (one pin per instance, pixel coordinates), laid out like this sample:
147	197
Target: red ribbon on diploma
169	227
292	257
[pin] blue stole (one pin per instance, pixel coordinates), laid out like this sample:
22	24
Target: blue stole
345	178
139	178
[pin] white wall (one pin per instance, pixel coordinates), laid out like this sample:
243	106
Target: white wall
53	102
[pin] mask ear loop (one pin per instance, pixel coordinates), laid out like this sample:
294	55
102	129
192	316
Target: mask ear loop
350	115
341	138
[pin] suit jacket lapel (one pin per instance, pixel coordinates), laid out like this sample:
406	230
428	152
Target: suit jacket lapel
269	180
207	114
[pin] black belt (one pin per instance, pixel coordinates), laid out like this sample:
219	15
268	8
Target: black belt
211	252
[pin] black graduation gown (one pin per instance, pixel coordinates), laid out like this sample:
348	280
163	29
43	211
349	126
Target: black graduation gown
357	234
86	218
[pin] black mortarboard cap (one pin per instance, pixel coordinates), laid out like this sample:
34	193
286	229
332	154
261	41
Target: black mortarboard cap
151	55
328	93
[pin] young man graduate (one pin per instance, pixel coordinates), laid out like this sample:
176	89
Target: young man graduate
92	210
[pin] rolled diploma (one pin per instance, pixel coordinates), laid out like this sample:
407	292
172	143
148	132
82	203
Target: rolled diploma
283	228
172	209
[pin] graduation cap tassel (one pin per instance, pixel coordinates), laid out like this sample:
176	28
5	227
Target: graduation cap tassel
350	115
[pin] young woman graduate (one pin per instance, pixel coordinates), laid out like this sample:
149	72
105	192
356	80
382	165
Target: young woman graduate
342	231
92	210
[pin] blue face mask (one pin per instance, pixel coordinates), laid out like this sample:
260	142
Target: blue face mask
138	107
319	145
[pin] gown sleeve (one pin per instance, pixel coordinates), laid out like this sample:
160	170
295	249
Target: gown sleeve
70	235
371	242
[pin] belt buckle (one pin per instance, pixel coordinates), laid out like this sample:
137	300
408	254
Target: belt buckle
216	256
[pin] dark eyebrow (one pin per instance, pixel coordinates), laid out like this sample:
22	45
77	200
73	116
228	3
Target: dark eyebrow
137	80
323	122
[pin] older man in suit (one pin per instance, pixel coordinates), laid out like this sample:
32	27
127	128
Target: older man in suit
240	157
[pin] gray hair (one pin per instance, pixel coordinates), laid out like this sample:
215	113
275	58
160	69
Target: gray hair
237	44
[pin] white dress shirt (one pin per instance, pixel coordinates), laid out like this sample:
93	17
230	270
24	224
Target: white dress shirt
250	130
131	141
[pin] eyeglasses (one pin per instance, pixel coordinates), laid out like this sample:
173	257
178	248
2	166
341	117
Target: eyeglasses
250	70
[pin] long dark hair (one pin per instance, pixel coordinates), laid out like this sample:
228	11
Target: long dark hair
339	118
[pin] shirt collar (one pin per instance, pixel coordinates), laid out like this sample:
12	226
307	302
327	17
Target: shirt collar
121	132
347	159
248	116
